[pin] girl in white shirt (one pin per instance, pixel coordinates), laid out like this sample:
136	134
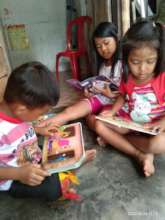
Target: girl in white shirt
105	42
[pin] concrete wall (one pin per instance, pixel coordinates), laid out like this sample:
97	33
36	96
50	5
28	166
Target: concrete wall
4	66
45	26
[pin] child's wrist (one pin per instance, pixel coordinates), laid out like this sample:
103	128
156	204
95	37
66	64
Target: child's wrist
14	173
18	174
113	112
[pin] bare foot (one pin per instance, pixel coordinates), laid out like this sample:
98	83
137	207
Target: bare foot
148	165
89	155
147	161
101	141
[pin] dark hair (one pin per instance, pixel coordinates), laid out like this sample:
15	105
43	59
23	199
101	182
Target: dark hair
105	29
33	85
148	33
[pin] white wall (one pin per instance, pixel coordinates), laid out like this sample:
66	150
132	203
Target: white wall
45	22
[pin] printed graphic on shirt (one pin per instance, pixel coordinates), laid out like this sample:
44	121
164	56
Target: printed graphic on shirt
144	105
18	144
28	150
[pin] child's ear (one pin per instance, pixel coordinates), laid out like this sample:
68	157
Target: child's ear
21	109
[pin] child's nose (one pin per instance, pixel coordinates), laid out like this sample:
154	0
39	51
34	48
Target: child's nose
142	67
103	47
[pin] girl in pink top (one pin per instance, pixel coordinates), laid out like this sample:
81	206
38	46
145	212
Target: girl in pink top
143	86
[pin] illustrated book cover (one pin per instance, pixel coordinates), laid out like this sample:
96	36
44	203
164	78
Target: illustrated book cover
65	149
125	123
98	81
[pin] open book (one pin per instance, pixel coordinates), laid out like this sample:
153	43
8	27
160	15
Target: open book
98	81
125	123
65	150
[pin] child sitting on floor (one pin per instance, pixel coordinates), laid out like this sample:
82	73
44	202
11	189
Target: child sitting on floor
30	92
105	43
143	86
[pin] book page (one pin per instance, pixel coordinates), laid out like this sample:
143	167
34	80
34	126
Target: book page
89	82
64	150
125	123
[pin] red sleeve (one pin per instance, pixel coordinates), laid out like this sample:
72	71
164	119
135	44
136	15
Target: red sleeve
126	88
159	87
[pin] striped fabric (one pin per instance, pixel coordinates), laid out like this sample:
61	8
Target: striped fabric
144	106
18	143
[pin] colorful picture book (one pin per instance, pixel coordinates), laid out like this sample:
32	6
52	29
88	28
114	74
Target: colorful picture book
65	149
98	81
125	123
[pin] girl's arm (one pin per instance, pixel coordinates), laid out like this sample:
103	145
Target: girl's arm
118	104
106	91
116	107
46	127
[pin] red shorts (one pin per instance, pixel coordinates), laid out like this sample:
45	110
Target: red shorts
95	105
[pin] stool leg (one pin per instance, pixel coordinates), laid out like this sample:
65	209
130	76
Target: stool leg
57	67
74	67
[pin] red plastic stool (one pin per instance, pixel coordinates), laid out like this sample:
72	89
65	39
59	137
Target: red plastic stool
81	50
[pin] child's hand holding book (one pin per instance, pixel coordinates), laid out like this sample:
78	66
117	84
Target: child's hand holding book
107	113
106	90
157	126
31	174
87	92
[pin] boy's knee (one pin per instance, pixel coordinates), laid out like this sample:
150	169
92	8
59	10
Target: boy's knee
53	189
49	189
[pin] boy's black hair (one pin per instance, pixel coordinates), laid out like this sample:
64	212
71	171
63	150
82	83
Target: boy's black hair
33	85
106	29
144	33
